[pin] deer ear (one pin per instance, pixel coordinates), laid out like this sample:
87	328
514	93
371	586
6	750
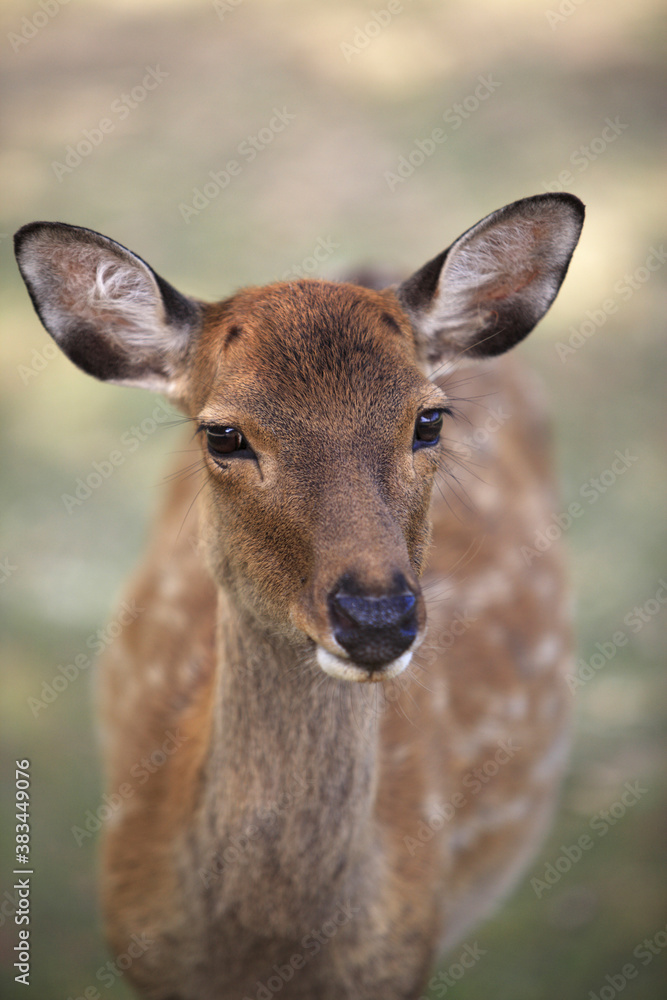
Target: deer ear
489	289
111	314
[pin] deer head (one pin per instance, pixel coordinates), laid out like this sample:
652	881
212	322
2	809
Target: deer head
316	407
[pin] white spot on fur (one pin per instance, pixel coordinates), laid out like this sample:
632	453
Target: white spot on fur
516	706
490	587
547	651
155	675
433	808
440	698
486	736
489	818
545	584
495	635
171	586
486	497
554	760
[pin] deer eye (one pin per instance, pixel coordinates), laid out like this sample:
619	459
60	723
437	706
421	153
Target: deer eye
226	441
427	429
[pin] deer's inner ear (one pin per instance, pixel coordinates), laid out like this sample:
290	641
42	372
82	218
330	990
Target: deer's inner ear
488	290
110	313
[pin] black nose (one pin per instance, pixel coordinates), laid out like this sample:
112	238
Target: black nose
373	629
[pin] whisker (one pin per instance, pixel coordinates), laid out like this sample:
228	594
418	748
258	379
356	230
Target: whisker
187	513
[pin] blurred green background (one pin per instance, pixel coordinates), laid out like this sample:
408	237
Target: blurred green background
362	94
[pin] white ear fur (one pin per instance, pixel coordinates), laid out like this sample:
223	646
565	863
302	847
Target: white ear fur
104	306
490	288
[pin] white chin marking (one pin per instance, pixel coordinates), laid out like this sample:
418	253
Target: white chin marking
347	670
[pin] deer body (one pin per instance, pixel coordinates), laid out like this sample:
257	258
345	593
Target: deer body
340	784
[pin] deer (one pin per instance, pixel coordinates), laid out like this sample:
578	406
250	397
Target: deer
350	650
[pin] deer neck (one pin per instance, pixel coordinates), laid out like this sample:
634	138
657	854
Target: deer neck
291	775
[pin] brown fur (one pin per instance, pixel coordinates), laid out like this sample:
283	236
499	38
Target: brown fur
265	714
281	828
